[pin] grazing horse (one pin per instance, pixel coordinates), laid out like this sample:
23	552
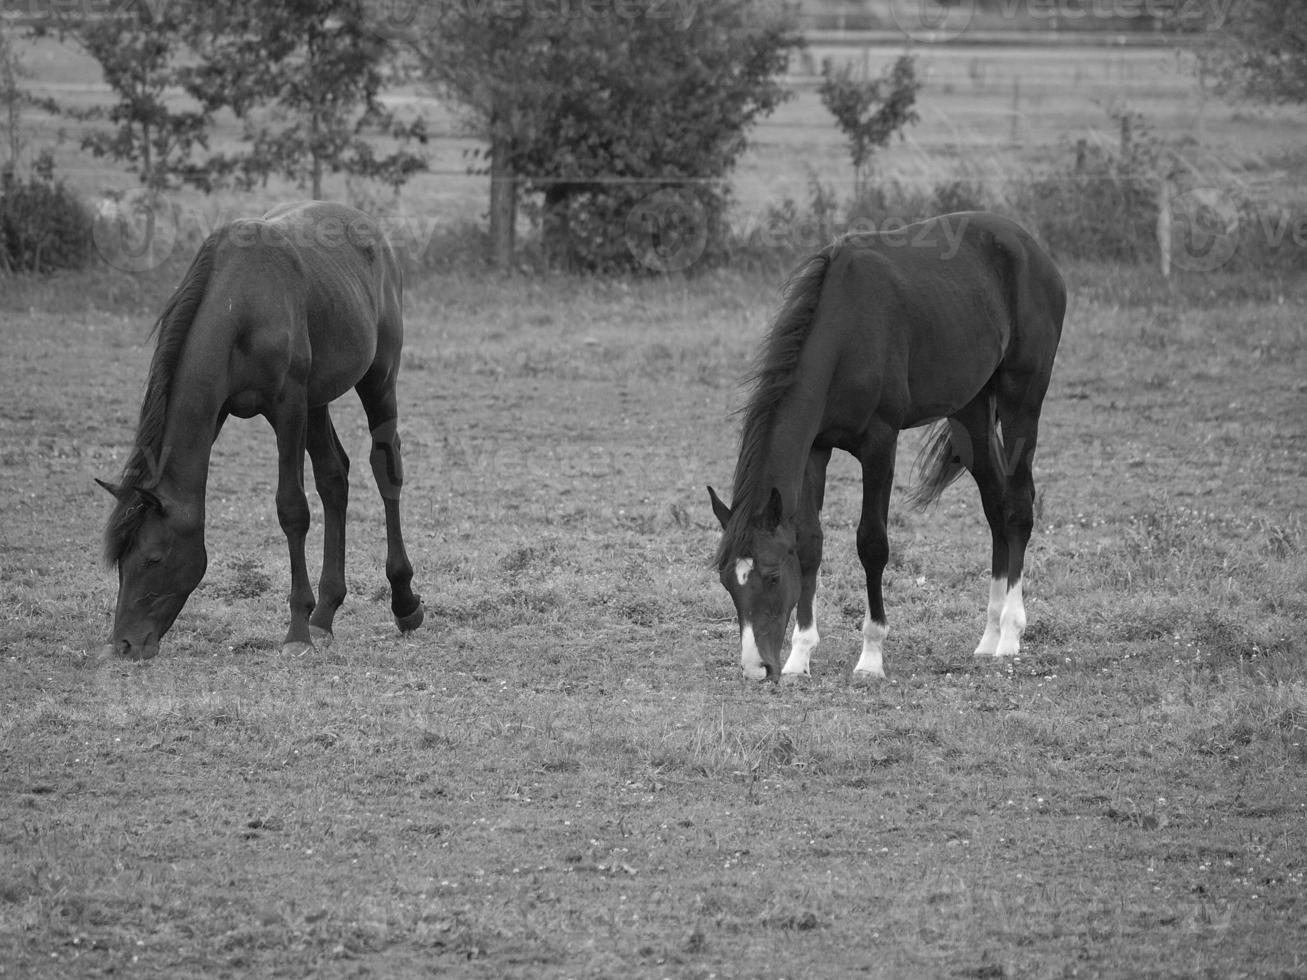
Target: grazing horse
276	317
954	320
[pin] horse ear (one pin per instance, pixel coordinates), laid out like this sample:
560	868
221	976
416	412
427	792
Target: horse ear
774	511
116	491
720	509
151	499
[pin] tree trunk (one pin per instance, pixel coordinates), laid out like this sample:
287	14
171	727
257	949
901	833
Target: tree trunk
556	232
316	158
147	164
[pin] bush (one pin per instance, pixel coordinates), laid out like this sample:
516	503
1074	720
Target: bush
44	226
1104	206
622	228
1101	215
789	229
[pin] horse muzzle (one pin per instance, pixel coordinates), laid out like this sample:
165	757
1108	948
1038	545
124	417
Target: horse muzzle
144	648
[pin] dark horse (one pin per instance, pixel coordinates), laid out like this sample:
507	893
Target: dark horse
276	317
954	320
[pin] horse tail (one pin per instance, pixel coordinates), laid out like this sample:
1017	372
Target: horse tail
947	452
144	462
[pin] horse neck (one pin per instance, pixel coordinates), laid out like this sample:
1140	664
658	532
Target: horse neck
196	395
786	458
782	456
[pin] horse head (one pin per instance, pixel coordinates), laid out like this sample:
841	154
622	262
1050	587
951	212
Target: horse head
759	567
159	551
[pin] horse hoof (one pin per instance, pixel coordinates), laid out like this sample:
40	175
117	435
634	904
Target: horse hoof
407	624
296	648
321	638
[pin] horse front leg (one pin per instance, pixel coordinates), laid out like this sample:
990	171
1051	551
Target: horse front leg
290	424
809	542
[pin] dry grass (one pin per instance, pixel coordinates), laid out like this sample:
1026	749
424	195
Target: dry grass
561	774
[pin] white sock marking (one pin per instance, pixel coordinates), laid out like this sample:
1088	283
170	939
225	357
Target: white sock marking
988	646
872	661
750	658
1011	622
801	646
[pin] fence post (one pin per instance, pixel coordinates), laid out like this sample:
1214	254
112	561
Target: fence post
1164	223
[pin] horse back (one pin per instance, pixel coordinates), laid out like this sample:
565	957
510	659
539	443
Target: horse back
311	290
924	316
348	269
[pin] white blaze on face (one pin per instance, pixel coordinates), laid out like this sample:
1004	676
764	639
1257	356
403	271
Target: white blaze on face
742	569
750	658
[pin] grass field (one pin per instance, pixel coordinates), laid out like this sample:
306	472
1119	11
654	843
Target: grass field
562	775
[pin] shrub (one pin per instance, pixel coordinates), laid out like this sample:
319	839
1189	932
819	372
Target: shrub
1105	206
1099	214
674	228
44	226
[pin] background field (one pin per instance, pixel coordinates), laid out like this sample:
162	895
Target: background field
561	774
993	114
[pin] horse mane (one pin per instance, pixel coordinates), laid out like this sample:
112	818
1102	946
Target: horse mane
771	379
141	471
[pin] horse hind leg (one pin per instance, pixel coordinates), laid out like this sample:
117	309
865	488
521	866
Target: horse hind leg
873	550
1020	433
976	443
331	475
387	463
290	423
1001	468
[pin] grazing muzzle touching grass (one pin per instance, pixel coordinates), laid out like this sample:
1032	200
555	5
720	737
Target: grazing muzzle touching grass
157	573
763	581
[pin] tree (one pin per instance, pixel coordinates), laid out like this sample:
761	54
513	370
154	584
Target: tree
137	45
304	76
595	110
870	111
1260	50
14	98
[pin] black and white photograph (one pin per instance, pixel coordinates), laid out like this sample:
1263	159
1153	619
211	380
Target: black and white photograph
653	489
